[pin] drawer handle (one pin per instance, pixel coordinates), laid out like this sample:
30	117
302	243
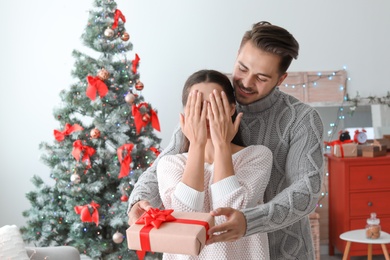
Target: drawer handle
369	177
370	204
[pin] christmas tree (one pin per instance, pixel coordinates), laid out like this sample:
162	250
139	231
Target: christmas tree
105	140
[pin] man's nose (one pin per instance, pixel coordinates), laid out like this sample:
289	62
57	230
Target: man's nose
248	81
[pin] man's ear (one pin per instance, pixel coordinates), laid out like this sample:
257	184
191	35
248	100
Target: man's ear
282	78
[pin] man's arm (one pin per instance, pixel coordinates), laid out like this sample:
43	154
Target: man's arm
304	170
146	187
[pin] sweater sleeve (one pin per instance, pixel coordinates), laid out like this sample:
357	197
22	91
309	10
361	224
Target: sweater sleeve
174	193
303	173
252	169
146	187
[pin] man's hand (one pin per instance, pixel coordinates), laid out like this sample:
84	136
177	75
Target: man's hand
233	229
137	210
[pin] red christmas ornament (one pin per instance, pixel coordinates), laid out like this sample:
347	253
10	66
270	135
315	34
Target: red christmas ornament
139	85
146	118
95	133
124	198
125	37
103	74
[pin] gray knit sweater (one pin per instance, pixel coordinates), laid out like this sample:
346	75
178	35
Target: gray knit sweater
293	131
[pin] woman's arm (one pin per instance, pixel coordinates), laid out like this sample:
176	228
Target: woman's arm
252	168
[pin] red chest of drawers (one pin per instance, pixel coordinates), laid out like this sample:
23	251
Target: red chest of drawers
357	187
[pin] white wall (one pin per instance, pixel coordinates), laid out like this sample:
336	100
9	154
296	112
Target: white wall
173	39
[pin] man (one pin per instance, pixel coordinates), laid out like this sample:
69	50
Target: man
290	129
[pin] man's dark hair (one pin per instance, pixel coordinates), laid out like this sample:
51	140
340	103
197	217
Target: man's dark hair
273	39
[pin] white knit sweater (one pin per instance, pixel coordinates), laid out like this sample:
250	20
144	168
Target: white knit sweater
293	131
252	169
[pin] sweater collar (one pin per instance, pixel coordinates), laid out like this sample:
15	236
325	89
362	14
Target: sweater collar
261	104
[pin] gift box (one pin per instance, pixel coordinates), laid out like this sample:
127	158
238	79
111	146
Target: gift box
374	149
169	231
345	150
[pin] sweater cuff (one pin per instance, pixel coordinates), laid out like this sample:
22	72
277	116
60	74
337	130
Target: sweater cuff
222	188
190	197
257	219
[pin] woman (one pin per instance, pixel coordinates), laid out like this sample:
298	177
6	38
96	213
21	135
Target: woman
215	172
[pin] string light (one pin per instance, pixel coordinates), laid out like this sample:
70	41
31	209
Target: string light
314	81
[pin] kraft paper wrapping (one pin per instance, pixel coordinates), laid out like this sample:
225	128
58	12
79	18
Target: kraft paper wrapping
347	150
174	237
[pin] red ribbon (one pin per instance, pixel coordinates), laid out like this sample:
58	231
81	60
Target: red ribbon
141	121
135	63
96	84
155	150
118	14
153	218
125	162
339	143
78	148
88	213
60	136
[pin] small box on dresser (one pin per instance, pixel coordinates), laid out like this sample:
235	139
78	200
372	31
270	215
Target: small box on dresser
374	149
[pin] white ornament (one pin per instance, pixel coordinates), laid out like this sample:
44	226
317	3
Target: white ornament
75	178
117	237
109	32
129	98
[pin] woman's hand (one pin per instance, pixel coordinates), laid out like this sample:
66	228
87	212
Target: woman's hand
193	122
222	128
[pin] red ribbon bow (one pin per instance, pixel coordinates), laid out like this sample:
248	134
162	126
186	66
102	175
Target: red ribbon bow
125	162
153	218
60	136
135	63
88	213
96	84
78	148
118	14
141	121
155	150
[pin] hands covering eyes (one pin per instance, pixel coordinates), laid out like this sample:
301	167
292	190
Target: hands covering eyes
215	114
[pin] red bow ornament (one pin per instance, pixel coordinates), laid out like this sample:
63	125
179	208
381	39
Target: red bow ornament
87	152
142	119
96	84
126	160
88	213
60	136
155	150
134	64
118	14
